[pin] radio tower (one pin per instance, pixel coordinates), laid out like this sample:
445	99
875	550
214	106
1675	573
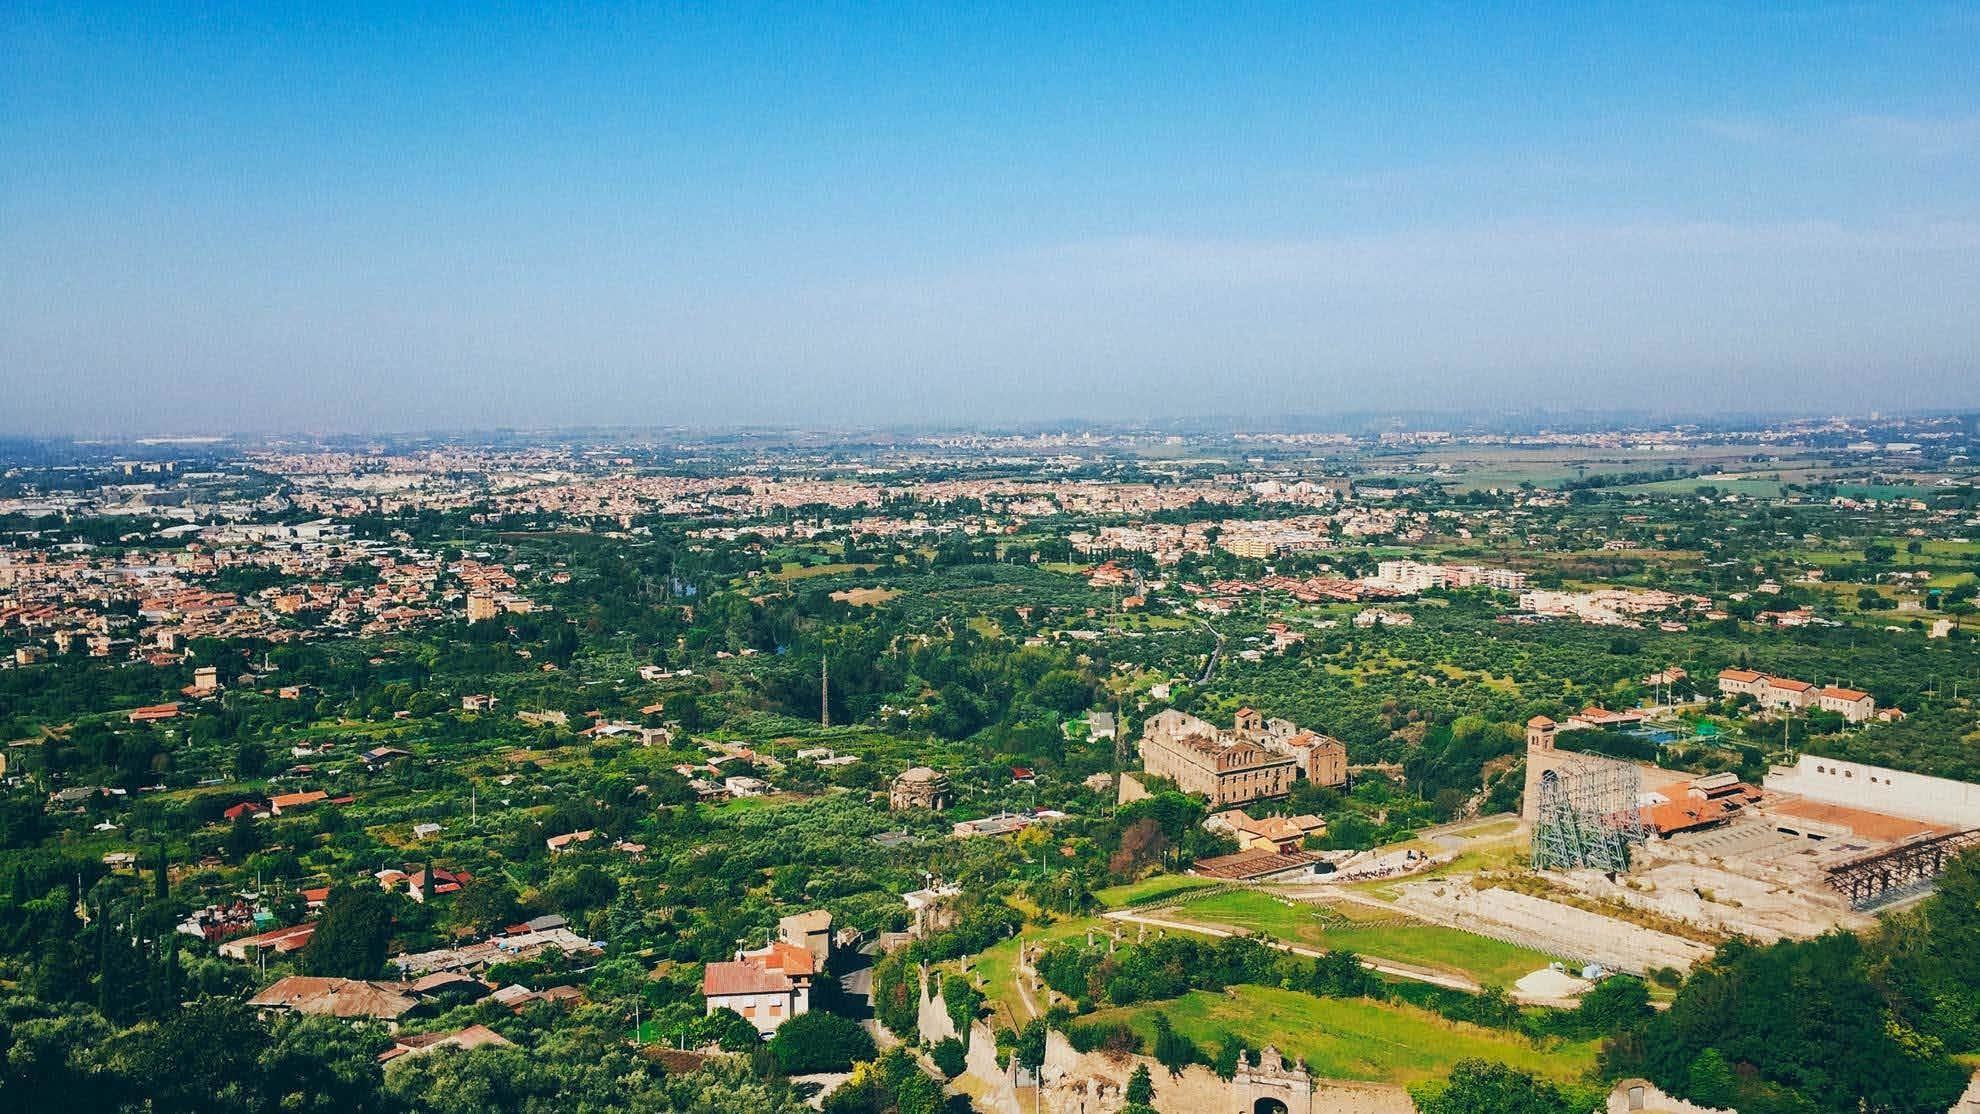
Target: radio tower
824	694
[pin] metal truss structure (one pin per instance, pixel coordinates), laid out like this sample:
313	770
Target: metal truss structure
1588	816
1899	872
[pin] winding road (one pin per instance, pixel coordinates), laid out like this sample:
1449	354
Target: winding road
1216	652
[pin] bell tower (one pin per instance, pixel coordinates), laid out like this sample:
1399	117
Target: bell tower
1540	734
1539	759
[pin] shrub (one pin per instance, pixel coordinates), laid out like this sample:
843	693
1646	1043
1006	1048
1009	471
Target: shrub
1140	1088
1106	1036
962	998
732	1031
819	1041
950	1056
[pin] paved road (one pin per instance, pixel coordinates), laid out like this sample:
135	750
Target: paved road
1018	970
1216	652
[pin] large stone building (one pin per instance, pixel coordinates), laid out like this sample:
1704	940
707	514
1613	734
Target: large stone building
1786	692
812	931
1322	759
932	909
919	787
1853	705
481	606
1230	768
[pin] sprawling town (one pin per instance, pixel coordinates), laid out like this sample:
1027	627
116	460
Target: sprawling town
1081	768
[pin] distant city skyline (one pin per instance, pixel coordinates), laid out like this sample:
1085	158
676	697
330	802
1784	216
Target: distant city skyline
373	219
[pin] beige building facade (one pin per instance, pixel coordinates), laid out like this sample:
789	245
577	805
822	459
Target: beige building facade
1228	767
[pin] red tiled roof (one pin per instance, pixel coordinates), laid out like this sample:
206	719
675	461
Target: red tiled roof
788	958
282	940
335	997
444	881
722	979
474	1036
1250	864
291	800
1679	816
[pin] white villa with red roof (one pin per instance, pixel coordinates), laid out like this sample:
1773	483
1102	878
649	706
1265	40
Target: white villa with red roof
1785	692
767	987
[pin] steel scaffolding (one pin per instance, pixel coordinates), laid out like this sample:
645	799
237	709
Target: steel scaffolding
1899	872
1588	816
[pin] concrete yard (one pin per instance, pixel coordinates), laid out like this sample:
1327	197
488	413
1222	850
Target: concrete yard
1721	900
1550	926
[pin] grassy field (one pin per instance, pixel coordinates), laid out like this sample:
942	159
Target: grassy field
792	570
1149	889
737	805
1350	1038
1424	945
994	967
1757	486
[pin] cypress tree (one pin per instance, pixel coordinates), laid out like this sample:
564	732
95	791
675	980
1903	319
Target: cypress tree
102	927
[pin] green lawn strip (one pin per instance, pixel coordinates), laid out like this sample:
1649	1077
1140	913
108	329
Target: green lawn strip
995	966
1481	958
1349	1038
736	805
794	571
1151	889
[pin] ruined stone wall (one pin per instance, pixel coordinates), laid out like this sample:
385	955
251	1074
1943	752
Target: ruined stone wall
1096	1083
931	1017
1131	789
997	1086
1968	1103
1072	1082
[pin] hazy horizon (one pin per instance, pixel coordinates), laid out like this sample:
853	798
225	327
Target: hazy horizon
1510	422
376	220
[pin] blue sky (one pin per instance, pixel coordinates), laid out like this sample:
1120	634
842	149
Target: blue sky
349	217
